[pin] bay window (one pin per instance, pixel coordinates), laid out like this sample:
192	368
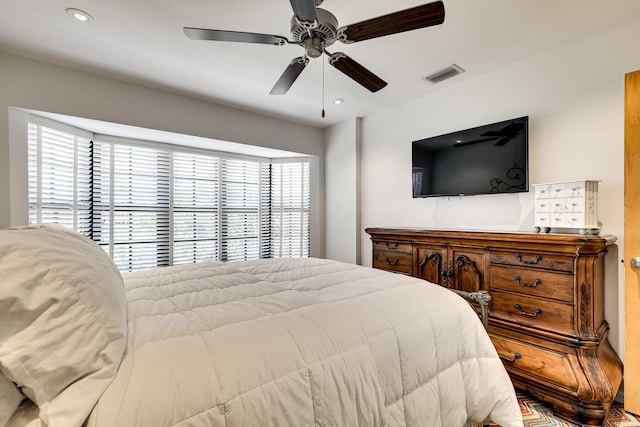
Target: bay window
151	204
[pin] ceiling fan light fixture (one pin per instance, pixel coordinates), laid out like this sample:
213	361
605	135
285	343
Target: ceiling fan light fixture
79	15
313	47
338	101
444	74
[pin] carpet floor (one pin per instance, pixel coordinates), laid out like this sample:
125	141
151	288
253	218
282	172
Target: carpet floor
538	414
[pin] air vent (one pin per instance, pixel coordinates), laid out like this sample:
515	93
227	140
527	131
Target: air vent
445	74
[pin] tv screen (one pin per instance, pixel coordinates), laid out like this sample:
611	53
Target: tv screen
490	159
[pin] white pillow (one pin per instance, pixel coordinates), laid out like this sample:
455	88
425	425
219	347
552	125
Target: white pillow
63	317
10	398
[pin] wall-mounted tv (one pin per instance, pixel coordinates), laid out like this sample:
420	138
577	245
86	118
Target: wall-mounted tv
489	159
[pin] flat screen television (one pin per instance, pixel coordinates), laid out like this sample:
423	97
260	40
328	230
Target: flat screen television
489	159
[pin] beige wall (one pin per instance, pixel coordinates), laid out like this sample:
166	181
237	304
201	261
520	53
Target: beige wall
342	204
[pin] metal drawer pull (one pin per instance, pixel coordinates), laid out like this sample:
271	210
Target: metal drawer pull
394	262
536	282
392	247
519	258
524	313
515	357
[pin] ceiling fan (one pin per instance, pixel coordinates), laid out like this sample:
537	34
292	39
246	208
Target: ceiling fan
504	135
315	29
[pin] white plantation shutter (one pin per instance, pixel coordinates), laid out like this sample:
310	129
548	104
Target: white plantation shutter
266	250
196	215
132	204
152	205
240	209
290	209
59	176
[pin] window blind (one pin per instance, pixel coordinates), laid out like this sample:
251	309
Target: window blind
132	209
290	209
240	200
59	177
196	208
151	205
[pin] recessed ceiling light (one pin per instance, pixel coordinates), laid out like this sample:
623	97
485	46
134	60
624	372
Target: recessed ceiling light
338	101
80	15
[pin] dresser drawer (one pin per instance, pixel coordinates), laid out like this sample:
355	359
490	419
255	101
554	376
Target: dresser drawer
534	312
575	189
559	190
529	360
575	219
575	204
543	206
533	260
531	281
558	205
558	219
543	191
393	261
543	219
392	246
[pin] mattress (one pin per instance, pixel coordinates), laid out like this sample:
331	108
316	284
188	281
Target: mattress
301	342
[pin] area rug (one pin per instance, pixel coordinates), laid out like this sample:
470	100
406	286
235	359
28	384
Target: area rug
538	414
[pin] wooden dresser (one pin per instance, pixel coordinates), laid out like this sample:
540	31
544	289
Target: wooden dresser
546	316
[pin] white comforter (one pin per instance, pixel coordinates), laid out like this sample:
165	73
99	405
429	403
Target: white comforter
301	342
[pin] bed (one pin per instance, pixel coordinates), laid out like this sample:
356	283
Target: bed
281	342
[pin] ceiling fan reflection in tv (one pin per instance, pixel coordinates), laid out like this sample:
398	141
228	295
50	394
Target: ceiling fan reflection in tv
489	159
503	135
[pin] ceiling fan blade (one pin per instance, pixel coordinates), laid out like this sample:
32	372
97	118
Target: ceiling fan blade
289	76
304	10
398	22
234	36
356	71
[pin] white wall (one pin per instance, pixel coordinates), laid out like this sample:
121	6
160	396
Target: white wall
573	96
342	203
30	84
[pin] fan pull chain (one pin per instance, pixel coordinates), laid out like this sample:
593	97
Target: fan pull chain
323	89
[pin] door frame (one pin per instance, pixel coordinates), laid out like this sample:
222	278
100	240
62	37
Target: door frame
632	242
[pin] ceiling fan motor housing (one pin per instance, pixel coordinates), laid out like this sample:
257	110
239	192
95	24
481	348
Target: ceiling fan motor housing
315	39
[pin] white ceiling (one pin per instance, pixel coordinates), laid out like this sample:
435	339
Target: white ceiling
143	42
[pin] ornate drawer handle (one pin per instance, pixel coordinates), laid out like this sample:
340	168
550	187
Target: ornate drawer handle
392	247
515	357
536	282
524	313
394	262
519	258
